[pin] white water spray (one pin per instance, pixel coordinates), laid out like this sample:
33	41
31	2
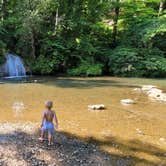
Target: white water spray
14	66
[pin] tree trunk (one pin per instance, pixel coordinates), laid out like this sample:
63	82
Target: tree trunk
33	45
115	24
162	6
56	21
3	2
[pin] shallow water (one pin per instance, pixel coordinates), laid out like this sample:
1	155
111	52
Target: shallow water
137	131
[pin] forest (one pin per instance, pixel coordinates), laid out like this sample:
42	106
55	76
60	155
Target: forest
86	37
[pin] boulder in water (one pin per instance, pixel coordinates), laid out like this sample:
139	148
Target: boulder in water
157	94
148	87
127	101
153	92
96	107
161	97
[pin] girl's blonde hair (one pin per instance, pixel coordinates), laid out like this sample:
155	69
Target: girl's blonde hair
49	104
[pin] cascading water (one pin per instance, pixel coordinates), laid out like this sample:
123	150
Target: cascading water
14	66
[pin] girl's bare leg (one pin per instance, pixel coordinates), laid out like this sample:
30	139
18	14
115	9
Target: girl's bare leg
42	136
49	138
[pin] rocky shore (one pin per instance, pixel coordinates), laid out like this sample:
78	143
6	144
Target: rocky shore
19	146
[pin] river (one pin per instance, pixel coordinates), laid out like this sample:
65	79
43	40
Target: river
137	130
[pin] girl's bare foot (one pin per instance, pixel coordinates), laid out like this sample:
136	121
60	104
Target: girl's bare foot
41	139
49	144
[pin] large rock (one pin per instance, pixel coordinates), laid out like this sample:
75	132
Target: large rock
127	101
96	107
161	97
148	87
153	92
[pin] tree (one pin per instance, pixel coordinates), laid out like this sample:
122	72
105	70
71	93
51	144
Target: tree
79	36
3	10
115	22
162	6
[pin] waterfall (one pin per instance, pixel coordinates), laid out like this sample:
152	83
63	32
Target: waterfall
14	66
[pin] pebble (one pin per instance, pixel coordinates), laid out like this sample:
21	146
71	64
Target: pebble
162	139
139	131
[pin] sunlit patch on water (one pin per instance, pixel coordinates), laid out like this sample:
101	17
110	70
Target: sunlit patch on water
18	108
106	133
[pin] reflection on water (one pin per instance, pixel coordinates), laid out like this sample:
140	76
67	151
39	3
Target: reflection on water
18	108
114	129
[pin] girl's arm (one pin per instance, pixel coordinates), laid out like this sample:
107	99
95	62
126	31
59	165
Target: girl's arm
56	120
43	117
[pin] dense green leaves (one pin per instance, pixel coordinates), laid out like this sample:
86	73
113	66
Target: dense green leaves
86	37
137	62
86	69
44	65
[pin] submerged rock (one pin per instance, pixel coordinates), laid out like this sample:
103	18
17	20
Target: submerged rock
127	101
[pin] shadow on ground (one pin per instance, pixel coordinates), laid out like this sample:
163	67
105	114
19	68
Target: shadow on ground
70	150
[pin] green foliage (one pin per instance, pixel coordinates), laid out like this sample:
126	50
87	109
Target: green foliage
86	69
157	27
78	37
147	33
44	65
122	61
2	44
3	48
137	62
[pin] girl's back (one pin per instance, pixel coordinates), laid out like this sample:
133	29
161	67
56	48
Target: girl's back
49	115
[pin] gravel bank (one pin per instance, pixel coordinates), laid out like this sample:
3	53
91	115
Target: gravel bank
19	147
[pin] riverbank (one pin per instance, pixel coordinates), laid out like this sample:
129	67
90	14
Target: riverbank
19	146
